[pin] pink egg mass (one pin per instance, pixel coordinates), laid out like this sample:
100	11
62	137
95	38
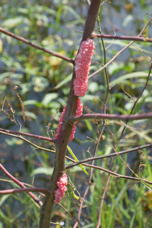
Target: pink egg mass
82	67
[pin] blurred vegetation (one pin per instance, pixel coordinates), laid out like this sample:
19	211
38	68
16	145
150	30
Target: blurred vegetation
33	90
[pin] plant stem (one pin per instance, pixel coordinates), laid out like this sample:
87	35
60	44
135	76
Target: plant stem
23	40
91	19
98	116
62	142
135	149
13	133
115	37
12	191
19	183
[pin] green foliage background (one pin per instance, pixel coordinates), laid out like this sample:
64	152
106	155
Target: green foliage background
33	89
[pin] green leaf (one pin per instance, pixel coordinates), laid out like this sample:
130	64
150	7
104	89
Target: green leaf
75	196
135	47
3	199
13	22
74	13
91	225
30	115
115	67
93	87
63	82
88	124
127	76
42	170
30	102
40	83
76	159
49	97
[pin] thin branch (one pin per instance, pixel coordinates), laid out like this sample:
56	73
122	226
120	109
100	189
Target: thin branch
35	145
23	40
12	191
121	51
29	142
19	183
115	37
112	59
82	202
98	116
102	201
118	175
89	181
11	132
106	75
140	95
109	155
